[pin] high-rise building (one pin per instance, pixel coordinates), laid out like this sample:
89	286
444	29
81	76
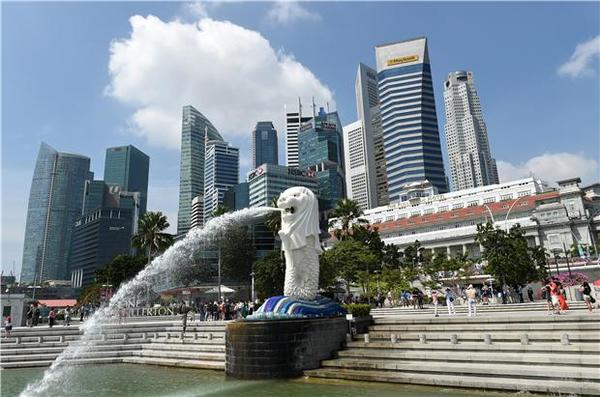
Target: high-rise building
221	171
264	144
471	161
237	197
293	121
55	201
410	130
320	145
367	109
128	167
194	131
266	183
98	237
359	186
198	211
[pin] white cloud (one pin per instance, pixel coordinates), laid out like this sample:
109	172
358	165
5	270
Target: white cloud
580	62
551	167
196	9
287	11
229	73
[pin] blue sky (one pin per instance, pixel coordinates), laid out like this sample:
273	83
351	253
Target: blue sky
58	87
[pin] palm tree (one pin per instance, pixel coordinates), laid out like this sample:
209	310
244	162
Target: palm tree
150	237
220	210
273	219
346	211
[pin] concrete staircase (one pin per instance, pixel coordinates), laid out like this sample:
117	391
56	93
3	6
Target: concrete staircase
159	343
504	351
537	306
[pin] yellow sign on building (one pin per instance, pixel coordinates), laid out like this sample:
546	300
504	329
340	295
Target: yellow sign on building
401	60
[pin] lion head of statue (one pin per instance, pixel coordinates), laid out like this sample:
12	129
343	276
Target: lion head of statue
299	218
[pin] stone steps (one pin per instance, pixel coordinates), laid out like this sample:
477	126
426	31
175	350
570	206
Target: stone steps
155	343
504	336
504	347
424	352
470	369
170	362
195	355
540	307
443	356
480	383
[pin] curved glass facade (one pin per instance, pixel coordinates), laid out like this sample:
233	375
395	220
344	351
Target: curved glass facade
55	202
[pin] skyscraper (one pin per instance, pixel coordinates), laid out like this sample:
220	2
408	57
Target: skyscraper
359	186
128	167
293	121
365	176
264	144
55	201
320	145
98	237
194	131
221	171
410	131
471	162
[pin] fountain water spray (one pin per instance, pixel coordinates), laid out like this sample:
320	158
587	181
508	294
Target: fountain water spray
180	254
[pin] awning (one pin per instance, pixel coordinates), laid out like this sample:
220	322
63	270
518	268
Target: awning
224	290
58	302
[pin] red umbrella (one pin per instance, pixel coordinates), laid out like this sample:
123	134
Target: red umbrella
597	283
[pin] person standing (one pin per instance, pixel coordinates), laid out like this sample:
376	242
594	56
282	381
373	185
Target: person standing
554	295
434	300
530	293
36	315
8	326
450	302
67	316
586	291
81	313
184	319
485	294
51	317
29	316
471	300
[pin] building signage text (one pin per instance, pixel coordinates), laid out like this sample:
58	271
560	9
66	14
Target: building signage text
401	60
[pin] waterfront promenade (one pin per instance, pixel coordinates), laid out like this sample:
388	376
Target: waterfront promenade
516	347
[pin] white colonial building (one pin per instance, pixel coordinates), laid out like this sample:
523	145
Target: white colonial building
555	218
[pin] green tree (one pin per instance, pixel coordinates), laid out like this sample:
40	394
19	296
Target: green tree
508	256
122	268
451	269
346	211
237	254
90	294
269	275
151	238
220	210
347	258
273	219
394	280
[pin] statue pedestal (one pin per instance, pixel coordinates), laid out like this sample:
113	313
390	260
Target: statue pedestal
281	348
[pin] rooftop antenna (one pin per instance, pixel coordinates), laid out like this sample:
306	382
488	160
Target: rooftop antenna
313	106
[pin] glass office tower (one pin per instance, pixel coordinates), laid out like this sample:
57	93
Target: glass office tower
195	130
321	151
410	129
264	144
55	202
221	172
128	167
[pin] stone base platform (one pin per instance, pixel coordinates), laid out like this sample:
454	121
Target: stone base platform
281	348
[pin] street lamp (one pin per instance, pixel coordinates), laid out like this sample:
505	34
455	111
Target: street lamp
377	273
508	213
490	212
219	275
252	291
556	252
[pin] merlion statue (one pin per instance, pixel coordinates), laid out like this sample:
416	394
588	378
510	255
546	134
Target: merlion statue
300	242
